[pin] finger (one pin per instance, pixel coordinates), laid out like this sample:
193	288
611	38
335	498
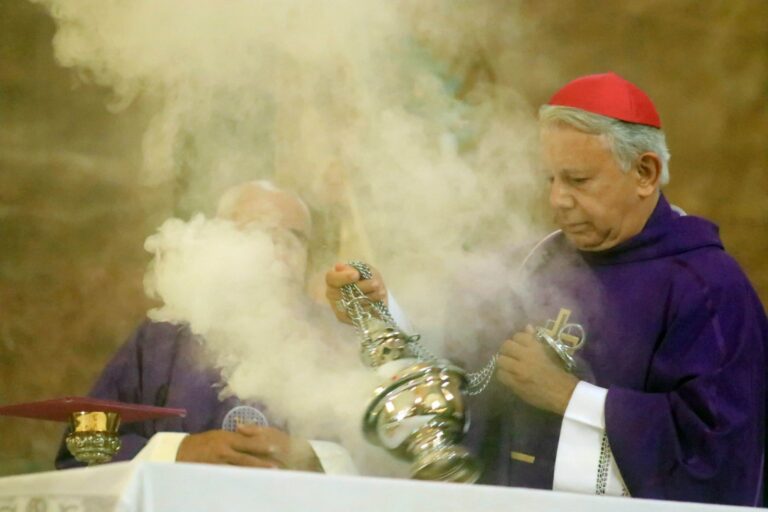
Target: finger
373	289
335	301
255	440
255	445
265	441
511	365
376	296
263	433
524	339
529	329
368	285
250	429
235	458
511	349
332	294
508	380
514	373
338	278
505	363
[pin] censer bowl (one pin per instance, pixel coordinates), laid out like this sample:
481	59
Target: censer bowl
420	416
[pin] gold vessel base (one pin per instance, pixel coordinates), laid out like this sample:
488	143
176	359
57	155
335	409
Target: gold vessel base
449	464
94	438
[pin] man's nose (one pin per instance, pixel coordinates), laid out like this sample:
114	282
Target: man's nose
559	195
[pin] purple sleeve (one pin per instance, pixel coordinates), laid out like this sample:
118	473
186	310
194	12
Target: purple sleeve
120	380
696	432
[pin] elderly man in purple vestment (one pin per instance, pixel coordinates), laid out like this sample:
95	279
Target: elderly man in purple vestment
668	396
163	364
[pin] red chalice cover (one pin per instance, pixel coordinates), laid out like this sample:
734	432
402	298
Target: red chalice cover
59	409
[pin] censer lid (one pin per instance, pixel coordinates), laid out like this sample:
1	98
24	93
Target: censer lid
60	409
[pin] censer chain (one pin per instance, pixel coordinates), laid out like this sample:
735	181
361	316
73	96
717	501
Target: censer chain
353	297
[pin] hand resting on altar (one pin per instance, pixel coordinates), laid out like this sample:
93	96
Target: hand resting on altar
251	446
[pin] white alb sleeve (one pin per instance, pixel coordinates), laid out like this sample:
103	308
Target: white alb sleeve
584	462
398	315
334	459
162	447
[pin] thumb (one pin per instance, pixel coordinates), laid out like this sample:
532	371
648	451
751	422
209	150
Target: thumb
529	329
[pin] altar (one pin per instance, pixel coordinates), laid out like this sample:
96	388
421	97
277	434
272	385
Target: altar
155	487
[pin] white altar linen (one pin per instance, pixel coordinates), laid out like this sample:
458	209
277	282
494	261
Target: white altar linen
163	487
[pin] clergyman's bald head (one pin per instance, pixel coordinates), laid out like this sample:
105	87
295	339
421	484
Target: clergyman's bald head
262	204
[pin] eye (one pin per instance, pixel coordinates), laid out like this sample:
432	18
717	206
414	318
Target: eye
579	181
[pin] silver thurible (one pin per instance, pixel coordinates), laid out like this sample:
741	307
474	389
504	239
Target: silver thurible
418	413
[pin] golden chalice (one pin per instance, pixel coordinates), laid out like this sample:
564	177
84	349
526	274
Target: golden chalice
94	436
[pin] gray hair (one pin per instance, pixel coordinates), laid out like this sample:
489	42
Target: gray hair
628	140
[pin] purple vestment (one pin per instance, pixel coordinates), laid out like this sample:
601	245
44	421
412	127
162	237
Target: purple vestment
677	335
162	364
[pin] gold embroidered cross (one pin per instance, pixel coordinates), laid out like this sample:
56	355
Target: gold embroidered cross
556	329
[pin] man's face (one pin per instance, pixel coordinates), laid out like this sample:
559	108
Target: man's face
282	216
595	203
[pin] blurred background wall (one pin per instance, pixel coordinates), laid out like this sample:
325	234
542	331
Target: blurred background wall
73	219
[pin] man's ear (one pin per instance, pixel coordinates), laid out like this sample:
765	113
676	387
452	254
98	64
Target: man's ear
648	174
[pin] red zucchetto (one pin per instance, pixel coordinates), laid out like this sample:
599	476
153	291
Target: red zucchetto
609	95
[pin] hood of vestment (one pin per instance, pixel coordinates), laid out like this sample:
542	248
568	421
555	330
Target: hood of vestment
666	233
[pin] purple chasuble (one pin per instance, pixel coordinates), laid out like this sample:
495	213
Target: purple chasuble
162	364
677	335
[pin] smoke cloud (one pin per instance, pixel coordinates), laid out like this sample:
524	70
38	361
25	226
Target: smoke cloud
272	343
370	111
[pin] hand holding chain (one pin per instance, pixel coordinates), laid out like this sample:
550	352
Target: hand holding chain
386	347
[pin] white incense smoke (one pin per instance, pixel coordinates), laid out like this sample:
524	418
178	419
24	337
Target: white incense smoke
366	108
273	345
